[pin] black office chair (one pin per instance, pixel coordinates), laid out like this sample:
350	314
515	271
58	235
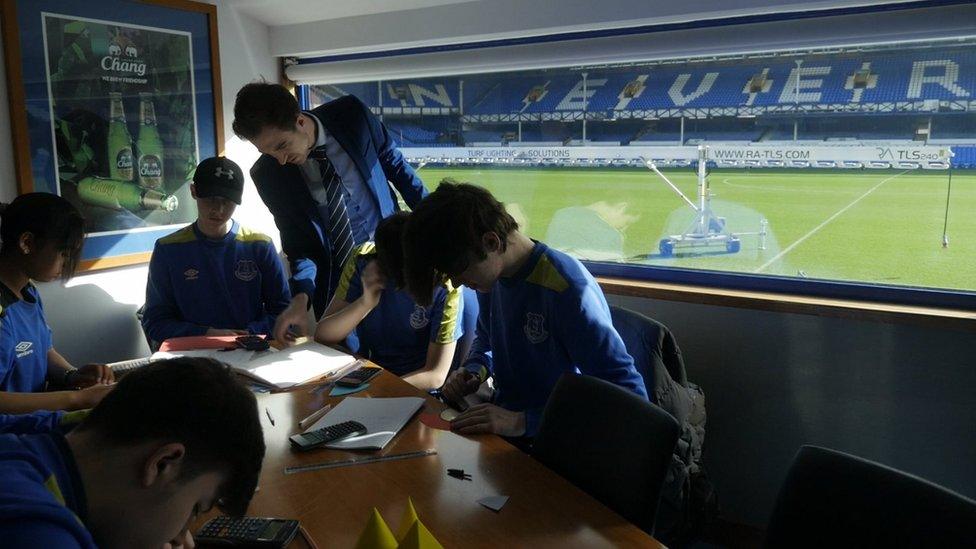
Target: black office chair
610	443
832	499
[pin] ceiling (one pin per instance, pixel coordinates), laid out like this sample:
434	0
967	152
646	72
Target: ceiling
289	12
309	28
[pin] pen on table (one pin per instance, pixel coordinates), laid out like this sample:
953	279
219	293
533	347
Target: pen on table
330	379
315	416
270	418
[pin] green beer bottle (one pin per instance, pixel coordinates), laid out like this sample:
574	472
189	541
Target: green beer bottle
118	195
149	144
119	142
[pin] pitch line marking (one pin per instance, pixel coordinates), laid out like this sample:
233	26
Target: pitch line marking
816	229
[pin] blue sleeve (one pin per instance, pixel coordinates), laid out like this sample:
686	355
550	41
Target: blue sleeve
303	271
162	319
587	333
34	422
397	170
274	291
28	533
480	355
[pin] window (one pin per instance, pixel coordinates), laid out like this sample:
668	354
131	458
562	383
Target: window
846	171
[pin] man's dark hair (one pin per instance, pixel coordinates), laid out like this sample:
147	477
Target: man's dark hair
444	234
389	247
261	105
51	219
194	401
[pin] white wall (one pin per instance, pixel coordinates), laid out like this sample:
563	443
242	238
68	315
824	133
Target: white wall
894	393
93	316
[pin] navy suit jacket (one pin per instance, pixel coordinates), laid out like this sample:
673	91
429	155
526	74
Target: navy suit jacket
304	235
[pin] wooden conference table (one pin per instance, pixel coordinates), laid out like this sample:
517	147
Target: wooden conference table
333	505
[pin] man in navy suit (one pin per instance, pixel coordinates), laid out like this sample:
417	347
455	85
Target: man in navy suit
326	176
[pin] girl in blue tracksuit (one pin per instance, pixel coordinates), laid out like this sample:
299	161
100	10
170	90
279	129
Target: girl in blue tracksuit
41	236
378	319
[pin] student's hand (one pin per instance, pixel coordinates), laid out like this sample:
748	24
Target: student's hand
461	382
225	332
373	283
90	374
488	418
296	314
182	541
88	398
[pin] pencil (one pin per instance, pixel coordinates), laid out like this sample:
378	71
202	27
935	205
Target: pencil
315	416
270	418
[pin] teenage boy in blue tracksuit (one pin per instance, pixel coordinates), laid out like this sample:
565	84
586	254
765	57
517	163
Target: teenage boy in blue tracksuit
380	320
541	312
173	440
214	277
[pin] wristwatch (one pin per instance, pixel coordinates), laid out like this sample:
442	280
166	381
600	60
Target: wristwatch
67	376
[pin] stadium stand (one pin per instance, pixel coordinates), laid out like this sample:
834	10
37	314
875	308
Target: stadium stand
824	81
842	98
965	157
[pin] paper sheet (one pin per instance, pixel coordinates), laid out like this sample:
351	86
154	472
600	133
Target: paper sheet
282	369
383	418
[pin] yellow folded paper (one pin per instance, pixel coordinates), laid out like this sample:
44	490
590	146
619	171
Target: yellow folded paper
412	533
406	521
419	537
376	535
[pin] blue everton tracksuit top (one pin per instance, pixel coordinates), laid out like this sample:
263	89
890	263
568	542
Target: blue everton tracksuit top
196	283
42	498
24	341
397	332
549	318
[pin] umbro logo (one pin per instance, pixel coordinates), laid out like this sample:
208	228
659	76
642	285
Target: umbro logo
24	348
191	274
220	172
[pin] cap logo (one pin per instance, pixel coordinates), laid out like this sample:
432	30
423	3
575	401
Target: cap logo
220	172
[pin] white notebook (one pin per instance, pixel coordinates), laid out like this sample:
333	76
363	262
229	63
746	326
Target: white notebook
383	418
282	369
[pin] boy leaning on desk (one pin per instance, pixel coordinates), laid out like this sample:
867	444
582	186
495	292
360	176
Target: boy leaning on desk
173	440
541	312
376	317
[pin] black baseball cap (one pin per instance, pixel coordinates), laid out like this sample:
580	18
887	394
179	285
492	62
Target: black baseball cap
219	176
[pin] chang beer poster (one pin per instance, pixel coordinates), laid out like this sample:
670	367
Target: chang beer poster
123	121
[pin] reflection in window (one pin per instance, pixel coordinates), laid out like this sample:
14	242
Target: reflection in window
848	165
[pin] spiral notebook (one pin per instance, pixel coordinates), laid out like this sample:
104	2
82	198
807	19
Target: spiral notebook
382	417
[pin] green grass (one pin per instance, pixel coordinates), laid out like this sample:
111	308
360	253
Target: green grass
891	234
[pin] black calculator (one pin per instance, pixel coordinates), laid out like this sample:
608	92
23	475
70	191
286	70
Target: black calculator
358	377
331	433
247	532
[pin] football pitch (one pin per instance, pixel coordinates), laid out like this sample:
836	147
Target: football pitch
875	226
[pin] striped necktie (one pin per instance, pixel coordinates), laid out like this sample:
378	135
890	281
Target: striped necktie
340	231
